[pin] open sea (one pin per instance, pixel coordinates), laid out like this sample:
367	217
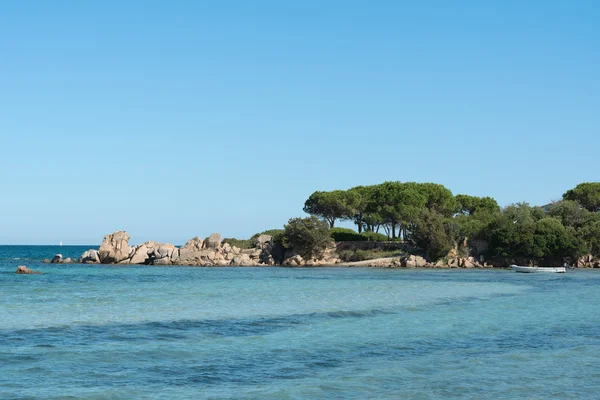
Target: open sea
106	332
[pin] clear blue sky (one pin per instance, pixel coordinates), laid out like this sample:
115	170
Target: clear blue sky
176	119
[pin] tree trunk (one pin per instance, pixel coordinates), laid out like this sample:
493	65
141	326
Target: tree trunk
393	230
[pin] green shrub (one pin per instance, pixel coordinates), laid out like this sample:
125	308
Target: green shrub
345	235
307	236
374	237
349	235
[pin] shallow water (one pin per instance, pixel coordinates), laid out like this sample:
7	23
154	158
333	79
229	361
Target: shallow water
97	332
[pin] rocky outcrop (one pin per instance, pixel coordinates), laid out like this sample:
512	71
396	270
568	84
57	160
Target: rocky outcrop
114	248
327	257
191	253
58	259
588	261
21	269
213	241
413	261
89	257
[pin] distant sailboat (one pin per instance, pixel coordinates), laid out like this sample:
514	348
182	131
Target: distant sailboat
60	244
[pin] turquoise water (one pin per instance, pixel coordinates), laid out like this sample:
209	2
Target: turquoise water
100	332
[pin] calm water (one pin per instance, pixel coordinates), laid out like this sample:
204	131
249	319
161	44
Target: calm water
91	332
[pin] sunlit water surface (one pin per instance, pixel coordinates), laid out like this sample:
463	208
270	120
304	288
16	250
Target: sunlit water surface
99	332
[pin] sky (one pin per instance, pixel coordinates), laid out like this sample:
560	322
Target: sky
178	119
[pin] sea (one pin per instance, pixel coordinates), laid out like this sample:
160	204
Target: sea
145	332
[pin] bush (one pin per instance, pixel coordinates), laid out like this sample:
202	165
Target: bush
349	235
430	235
307	236
345	235
374	237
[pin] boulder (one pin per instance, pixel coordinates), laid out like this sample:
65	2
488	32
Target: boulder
67	260
140	253
189	257
114	248
413	261
89	257
242	260
213	241
175	256
162	251
294	260
262	239
57	259
194	244
21	269
162	261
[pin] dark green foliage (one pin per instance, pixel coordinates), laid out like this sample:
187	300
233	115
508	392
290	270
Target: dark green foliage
396	204
349	235
589	233
587	194
331	205
570	213
307	236
429	234
522	231
437	198
373	237
473	205
429	216
345	235
361	200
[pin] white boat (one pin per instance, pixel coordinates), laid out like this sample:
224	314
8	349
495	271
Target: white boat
518	268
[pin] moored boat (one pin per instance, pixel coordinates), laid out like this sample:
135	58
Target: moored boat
518	268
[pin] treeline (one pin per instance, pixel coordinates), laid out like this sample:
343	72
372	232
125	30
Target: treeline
435	221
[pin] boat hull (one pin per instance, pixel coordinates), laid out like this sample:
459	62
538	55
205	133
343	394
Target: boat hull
557	270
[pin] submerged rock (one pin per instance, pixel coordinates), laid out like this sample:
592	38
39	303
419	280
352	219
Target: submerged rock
21	269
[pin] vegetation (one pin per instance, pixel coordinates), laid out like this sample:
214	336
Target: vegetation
431	218
309	237
240	243
349	235
586	194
